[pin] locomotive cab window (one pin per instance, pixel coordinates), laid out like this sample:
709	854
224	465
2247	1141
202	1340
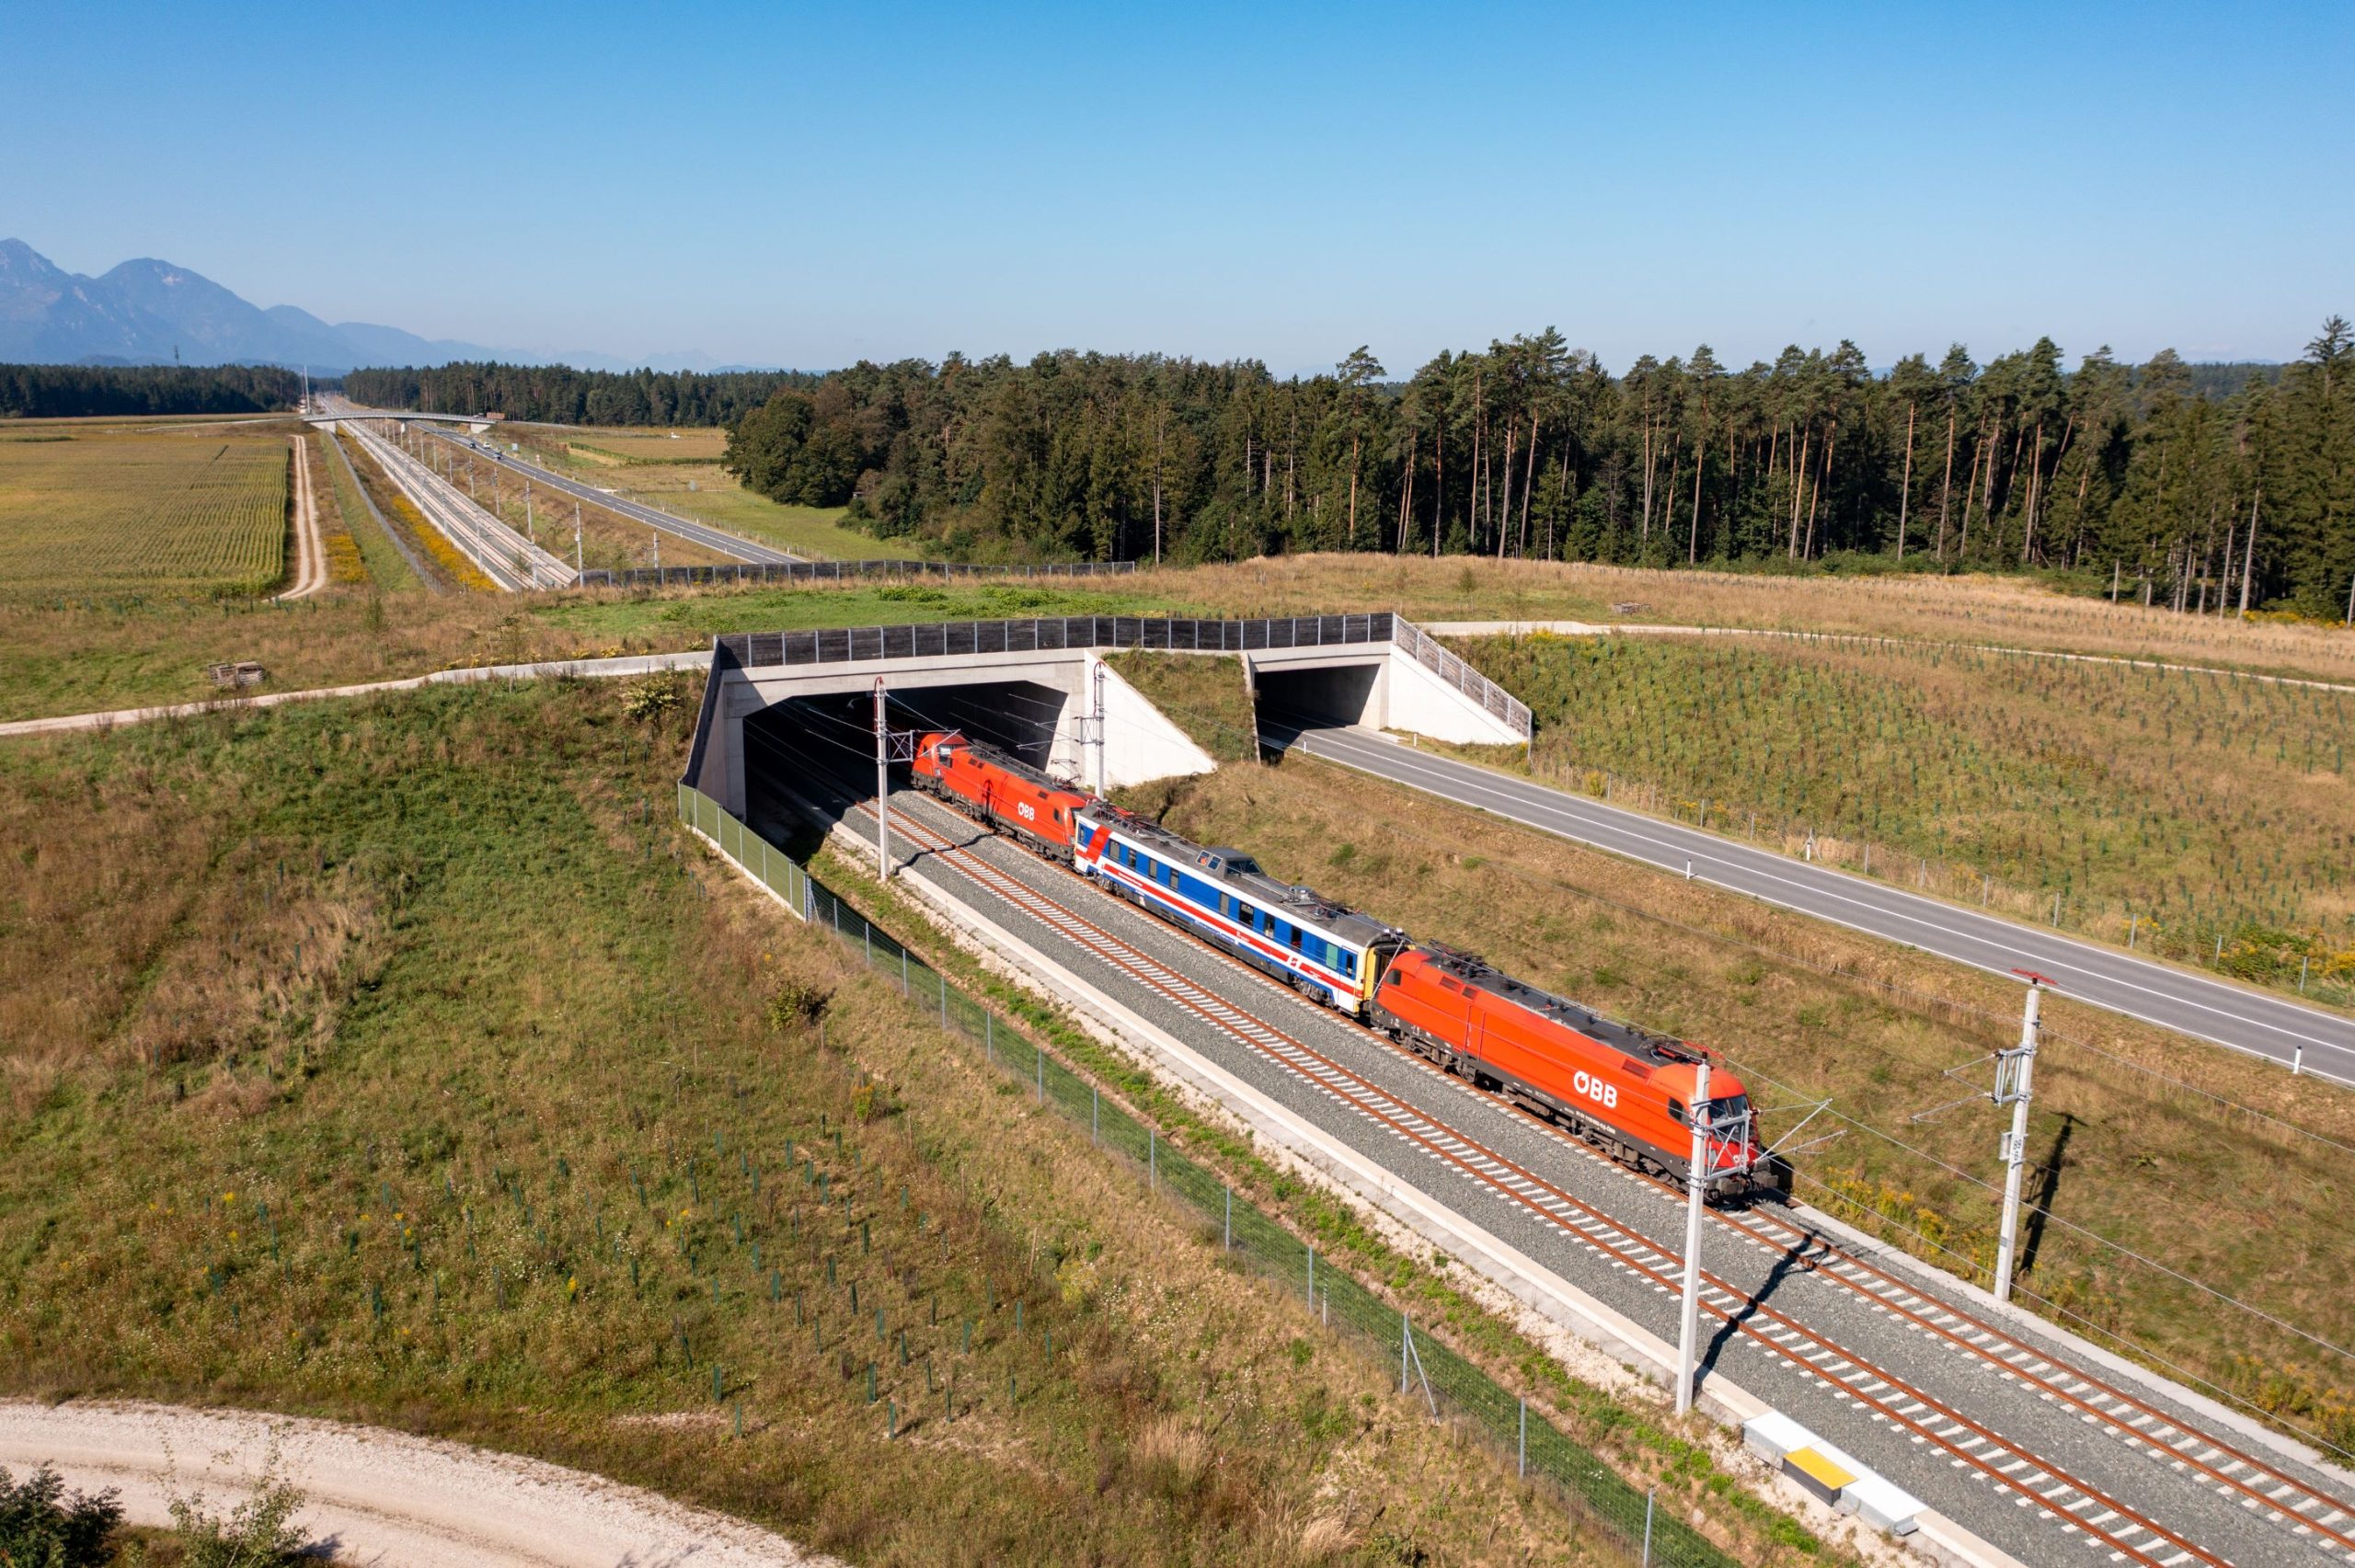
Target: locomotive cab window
1676	1110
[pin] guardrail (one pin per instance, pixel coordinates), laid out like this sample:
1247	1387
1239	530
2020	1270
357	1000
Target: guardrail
1427	651
942	639
1433	1376
830	571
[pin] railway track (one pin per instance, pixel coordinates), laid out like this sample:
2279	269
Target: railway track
2107	1522
505	556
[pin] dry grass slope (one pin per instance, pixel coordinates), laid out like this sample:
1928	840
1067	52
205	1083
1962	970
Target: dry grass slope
2182	810
405	1070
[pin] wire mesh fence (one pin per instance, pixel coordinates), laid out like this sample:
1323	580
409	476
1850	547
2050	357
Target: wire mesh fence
1446	1384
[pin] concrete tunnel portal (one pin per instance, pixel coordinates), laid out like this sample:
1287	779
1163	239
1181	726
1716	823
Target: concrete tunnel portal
799	744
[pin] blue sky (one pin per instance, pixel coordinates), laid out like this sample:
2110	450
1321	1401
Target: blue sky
811	186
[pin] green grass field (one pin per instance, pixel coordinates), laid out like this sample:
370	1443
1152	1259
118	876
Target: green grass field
2178	809
401	1061
163	513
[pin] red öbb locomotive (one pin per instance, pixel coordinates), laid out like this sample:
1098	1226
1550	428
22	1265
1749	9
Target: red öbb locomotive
1627	1092
1006	792
1623	1090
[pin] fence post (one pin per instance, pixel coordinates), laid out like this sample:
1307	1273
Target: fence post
1404	1331
1095	1114
989	1036
1039	1058
1152	1157
943	980
1230	1218
1651	1500
1312	1275
1524	1439
904	971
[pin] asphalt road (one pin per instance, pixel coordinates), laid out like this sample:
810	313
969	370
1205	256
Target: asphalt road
2107	1458
733	545
2158	993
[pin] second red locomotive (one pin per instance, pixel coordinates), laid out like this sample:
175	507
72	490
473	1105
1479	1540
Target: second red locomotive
1002	790
1627	1092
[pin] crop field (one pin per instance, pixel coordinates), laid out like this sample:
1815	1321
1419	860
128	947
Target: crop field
2203	818
170	514
394	1060
2158	1170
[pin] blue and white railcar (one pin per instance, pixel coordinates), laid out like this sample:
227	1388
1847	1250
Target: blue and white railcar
1331	954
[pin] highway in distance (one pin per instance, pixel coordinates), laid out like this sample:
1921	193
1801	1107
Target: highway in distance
2193	1003
730	544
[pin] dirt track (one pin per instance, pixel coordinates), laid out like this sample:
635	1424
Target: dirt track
379	1498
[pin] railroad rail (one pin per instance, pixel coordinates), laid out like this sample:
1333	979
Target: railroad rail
503	556
2107	1522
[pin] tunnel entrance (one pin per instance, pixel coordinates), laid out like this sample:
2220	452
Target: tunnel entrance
1292	701
822	748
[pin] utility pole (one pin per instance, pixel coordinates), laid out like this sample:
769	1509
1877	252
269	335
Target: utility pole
2013	1070
883	791
1101	768
1696	1184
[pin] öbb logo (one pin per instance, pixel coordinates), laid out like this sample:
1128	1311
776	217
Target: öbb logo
1595	1089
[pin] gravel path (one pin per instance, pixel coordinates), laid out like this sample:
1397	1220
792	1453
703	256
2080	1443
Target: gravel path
379	1496
562	669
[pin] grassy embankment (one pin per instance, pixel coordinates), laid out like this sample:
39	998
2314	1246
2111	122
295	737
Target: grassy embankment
448	564
79	656
685	476
2225	1195
386	1061
1205	698
347	567
389	570
2206	818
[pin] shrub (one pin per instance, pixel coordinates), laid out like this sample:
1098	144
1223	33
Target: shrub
795	1004
43	1526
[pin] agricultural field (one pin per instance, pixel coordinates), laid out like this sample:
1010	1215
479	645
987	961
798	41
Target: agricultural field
2160	1168
402	1062
2200	817
198	514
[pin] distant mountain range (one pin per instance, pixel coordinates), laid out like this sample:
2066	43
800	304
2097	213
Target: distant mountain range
153	313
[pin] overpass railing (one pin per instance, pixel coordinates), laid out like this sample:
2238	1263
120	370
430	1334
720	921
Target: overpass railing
1052	633
1049	633
838	571
1427	651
